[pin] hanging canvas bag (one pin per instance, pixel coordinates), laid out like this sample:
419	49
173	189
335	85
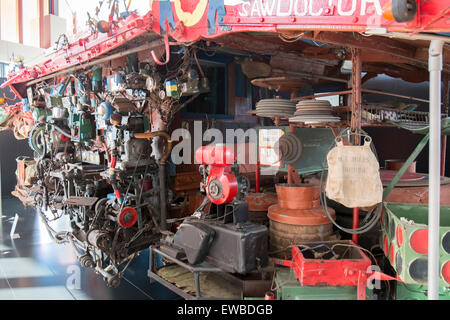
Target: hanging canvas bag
354	175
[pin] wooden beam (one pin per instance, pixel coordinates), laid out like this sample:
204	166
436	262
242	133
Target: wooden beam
367	77
393	48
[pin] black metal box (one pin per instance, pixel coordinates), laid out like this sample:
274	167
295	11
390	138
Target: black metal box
238	248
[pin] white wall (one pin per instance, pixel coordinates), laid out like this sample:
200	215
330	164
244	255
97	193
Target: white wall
30	54
81	7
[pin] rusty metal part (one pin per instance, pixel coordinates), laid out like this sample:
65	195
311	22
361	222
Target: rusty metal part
413	183
124	105
356	92
81	201
162	134
258	217
185	181
99	239
148	46
283	236
388	175
418	195
260	201
396	165
116	119
291	227
281	84
298	197
300	217
258	205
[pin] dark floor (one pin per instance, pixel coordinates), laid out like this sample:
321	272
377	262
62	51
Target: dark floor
34	268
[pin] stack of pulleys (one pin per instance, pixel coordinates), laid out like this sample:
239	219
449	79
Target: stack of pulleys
270	108
314	112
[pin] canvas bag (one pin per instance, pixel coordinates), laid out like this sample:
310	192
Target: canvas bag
354	175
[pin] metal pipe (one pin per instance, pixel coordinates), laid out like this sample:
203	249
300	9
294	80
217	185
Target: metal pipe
393	95
356	117
257	189
309	75
167	46
355	224
162	171
435	68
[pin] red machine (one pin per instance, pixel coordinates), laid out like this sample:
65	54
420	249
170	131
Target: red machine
221	184
335	264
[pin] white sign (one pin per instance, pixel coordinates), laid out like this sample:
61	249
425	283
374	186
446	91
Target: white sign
268	156
300	8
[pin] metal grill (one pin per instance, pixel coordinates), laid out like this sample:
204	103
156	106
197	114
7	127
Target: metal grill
377	114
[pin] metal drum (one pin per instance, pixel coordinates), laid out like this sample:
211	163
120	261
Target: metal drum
297	218
258	205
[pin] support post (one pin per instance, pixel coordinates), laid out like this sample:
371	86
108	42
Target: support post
445	101
258	173
293	177
435	68
356	116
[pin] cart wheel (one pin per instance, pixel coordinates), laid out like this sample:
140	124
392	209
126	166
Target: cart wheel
404	10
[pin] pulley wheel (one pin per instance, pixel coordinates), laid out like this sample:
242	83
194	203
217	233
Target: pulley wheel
289	148
128	217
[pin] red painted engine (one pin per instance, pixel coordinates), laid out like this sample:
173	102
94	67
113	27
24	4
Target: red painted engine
221	184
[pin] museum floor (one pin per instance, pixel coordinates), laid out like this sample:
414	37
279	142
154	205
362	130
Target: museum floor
32	267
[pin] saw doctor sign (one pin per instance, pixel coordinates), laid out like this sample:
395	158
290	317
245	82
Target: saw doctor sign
232	13
313	8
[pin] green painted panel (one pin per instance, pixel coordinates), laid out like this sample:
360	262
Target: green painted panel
418	213
3	116
290	289
418	292
317	142
402	224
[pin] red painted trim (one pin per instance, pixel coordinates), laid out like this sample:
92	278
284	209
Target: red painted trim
355	224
